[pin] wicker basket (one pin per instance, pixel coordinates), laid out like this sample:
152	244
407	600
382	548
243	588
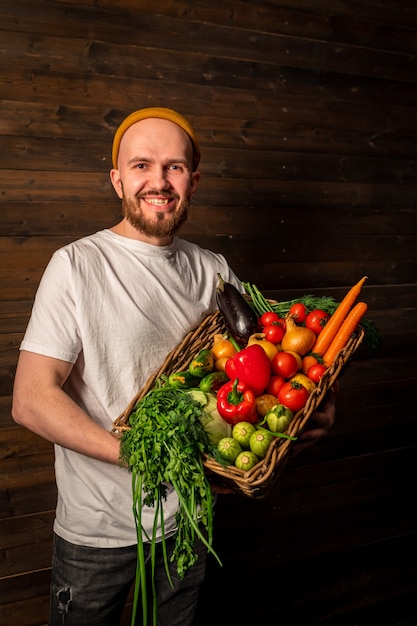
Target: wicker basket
257	481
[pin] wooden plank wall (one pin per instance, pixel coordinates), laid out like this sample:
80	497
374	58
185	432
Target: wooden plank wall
307	116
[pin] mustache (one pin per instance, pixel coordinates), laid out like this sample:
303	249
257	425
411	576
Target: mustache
158	192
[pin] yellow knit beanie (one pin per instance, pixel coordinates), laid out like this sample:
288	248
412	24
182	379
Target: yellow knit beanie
162	113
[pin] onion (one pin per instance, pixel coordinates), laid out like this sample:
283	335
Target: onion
297	338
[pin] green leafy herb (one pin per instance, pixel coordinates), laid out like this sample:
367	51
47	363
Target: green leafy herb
165	444
261	305
372	337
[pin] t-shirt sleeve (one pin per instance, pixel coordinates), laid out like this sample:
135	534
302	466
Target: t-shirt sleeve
52	329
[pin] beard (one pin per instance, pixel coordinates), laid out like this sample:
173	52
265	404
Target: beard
163	225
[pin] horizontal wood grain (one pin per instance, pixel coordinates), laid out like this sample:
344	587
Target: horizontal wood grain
306	115
305	582
220	40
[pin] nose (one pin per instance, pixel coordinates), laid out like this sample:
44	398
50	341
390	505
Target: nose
158	178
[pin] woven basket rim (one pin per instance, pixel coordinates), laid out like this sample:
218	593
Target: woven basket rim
257	481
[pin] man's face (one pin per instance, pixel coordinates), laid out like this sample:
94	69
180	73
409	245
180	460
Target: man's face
154	178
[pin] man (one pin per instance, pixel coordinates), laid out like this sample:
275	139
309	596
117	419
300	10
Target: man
108	310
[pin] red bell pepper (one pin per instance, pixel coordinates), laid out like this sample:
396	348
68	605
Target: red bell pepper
236	403
251	366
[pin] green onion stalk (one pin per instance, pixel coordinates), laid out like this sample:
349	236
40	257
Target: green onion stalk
165	444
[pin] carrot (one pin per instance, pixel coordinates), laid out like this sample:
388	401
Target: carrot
344	333
333	324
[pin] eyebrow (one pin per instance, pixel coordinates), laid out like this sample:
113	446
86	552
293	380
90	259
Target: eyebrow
181	160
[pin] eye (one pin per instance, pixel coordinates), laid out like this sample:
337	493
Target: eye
176	167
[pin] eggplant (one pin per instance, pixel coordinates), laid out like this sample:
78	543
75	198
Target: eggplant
240	319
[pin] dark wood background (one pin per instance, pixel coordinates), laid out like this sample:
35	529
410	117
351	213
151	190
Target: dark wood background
307	115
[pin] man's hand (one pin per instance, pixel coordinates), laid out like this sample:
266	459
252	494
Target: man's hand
217	487
320	422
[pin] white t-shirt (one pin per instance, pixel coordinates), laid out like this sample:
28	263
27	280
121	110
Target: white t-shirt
115	307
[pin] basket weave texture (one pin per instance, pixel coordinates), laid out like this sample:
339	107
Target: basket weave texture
257	481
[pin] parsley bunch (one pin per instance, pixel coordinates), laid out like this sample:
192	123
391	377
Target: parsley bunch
164	446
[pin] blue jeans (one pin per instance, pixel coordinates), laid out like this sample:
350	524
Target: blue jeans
89	586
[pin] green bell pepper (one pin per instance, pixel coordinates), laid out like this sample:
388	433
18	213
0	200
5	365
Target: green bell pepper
278	418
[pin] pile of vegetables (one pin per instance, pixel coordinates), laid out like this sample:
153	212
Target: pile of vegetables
231	403
301	339
249	443
310	304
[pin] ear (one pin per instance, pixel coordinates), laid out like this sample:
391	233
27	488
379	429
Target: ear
195	178
116	182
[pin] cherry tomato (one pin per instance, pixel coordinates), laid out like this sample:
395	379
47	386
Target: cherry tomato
316	320
274	385
274	332
284	364
299	312
293	395
268	318
316	372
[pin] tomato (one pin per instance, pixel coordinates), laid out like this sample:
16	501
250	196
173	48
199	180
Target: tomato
274	385
274	332
293	395
299	312
270	317
297	357
316	320
316	372
284	364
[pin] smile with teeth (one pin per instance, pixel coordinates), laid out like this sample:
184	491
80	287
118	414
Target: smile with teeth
158	201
